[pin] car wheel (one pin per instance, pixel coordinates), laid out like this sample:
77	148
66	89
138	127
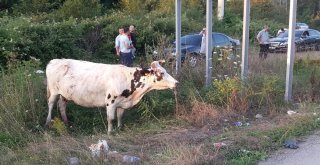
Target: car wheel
317	46
193	61
298	48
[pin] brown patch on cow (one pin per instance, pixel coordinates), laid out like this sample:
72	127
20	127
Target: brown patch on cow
109	96
115	97
136	76
142	85
132	87
112	101
145	72
139	84
107	104
126	93
140	73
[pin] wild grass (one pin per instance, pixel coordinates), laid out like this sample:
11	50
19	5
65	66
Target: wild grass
154	130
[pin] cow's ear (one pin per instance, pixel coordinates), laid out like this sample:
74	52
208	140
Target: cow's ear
161	62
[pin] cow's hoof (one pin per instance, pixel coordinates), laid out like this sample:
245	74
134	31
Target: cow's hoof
49	124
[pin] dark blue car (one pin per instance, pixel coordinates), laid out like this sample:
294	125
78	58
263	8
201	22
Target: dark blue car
191	44
305	39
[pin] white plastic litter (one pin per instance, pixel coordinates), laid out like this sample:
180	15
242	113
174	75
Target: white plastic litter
73	160
99	149
258	116
290	112
39	71
130	159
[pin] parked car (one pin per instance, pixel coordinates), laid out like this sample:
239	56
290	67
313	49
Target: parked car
300	25
191	44
305	39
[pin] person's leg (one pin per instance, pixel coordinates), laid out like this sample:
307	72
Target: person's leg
266	49
122	58
130	59
127	59
133	51
261	51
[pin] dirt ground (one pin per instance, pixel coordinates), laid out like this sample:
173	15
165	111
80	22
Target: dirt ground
306	154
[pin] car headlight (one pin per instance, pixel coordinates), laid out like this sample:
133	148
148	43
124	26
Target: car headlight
284	43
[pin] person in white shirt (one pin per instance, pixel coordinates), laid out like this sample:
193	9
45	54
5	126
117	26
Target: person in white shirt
126	57
263	39
203	41
117	41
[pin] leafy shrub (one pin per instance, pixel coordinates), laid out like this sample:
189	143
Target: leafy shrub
35	6
222	91
80	9
266	91
59	126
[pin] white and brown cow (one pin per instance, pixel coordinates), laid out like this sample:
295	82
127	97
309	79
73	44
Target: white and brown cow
115	87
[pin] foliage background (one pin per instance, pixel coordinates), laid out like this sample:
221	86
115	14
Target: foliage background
85	29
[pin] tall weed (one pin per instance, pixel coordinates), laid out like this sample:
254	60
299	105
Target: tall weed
22	100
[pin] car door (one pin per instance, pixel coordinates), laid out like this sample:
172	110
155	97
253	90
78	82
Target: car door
316	38
220	40
307	39
315	35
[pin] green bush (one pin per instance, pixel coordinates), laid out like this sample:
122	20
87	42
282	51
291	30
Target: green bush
80	9
35	6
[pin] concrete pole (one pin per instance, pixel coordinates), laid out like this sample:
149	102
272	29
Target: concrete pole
291	50
245	40
209	44
178	36
220	9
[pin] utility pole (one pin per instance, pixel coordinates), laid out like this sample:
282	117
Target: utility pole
245	40
220	9
209	44
178	36
291	50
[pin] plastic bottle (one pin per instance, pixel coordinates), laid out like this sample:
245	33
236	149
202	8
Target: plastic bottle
130	159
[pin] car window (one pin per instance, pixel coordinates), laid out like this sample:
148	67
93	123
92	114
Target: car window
219	39
285	34
191	40
314	33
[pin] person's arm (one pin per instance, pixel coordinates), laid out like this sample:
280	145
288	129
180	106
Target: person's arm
127	44
259	36
117	46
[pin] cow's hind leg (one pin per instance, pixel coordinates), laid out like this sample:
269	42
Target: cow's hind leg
62	107
51	100
119	116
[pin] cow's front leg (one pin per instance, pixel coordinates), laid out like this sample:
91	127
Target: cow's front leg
119	116
110	117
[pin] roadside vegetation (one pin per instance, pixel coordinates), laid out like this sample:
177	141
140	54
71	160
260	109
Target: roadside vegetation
163	128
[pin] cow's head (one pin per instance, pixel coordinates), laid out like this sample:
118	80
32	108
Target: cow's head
162	79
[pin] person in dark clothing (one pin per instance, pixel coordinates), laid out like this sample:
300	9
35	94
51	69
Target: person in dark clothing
132	37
